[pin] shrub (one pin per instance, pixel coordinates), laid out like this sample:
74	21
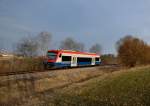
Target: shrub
108	59
133	51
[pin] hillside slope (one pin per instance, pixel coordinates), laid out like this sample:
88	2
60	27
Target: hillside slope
124	88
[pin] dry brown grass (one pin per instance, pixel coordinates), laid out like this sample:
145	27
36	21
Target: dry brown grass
73	86
62	78
27	89
20	64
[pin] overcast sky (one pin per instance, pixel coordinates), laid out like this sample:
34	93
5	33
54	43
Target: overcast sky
87	21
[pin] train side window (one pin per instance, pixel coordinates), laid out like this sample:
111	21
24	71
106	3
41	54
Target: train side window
81	59
66	58
97	59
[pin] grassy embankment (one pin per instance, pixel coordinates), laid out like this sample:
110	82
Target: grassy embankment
81	88
129	88
32	88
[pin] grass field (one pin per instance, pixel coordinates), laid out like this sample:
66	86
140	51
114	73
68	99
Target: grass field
82	87
124	88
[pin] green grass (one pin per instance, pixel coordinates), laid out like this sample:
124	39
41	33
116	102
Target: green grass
130	88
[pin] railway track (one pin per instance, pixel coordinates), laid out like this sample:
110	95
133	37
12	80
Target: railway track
106	66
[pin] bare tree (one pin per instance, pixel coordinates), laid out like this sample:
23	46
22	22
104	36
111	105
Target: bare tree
80	46
27	47
43	40
70	44
31	46
96	48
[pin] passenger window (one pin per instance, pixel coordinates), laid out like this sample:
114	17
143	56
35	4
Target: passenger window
81	59
97	59
66	58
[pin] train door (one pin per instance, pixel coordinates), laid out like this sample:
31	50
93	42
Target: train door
93	61
73	61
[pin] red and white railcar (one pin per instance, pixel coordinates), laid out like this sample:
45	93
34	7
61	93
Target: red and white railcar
67	58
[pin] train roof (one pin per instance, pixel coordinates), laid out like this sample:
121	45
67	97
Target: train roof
74	52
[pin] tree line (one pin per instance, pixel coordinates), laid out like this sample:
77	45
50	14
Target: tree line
131	51
38	45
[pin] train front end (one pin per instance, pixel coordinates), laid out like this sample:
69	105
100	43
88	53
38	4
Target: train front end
51	59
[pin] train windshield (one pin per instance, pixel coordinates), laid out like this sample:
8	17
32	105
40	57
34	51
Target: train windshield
51	55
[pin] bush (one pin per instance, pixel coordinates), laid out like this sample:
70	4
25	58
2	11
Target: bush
109	59
133	51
